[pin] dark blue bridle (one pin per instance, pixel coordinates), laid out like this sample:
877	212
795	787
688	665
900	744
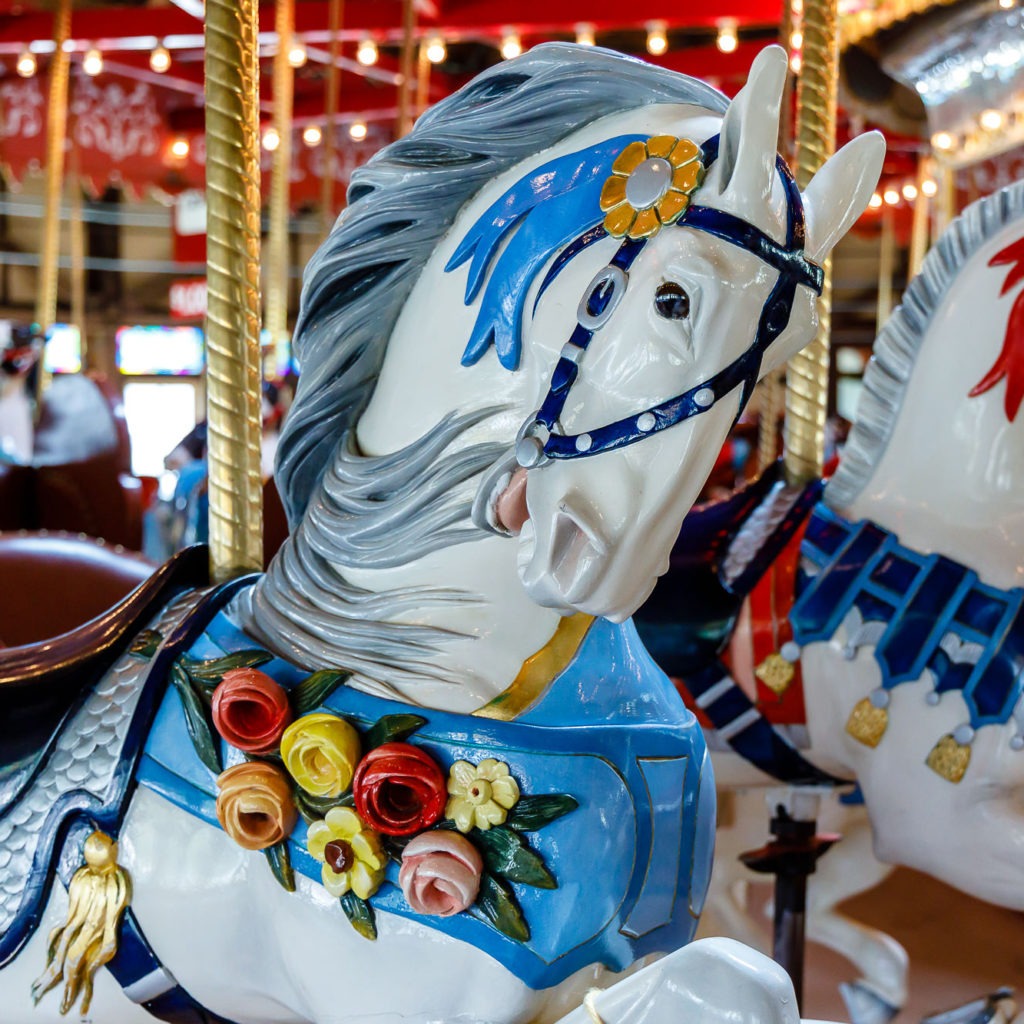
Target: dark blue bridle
537	441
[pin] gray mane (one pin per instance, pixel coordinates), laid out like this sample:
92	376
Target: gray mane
348	509
900	340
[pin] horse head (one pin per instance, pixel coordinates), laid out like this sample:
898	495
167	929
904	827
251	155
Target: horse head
936	451
525	342
699	276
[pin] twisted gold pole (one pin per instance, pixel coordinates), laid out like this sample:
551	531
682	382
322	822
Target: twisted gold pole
56	132
278	257
233	287
807	385
771	387
335	16
405	94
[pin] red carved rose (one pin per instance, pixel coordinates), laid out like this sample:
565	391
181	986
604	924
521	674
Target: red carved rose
440	873
399	789
250	710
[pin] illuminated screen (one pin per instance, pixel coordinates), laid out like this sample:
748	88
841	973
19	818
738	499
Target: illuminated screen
63	349
160	351
277	359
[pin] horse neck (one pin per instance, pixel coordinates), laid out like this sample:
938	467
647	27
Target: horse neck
951	478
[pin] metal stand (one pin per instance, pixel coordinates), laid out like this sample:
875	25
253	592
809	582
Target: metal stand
791	856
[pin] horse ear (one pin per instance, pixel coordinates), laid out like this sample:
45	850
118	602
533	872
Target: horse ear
838	194
749	136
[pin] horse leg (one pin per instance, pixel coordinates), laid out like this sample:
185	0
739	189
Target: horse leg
851	868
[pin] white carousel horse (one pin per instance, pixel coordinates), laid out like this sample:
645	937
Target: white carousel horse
908	625
452	282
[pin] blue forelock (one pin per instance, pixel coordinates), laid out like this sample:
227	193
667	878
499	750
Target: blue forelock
545	210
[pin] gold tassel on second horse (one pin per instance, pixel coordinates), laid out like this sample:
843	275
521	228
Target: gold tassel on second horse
97	896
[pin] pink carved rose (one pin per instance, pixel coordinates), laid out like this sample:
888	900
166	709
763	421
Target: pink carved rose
440	873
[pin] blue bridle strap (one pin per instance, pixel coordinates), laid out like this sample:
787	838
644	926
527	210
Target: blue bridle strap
606	291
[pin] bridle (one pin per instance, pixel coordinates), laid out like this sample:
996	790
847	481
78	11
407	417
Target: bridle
538	442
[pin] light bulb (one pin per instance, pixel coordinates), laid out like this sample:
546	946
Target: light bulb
27	64
366	52
1007	5
991	120
271	140
357	130
180	148
796	62
436	50
796	40
727	40
297	53
160	59
910	191
657	41
92	62
875	201
510	46
943	140
312	135
891	196
585	35
930	187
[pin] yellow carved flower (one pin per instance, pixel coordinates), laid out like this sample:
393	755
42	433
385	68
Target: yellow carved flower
351	853
650	185
320	752
480	795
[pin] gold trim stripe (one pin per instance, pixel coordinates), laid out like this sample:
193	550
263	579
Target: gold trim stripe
540	670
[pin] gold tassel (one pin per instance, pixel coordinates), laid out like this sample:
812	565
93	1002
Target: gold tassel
949	758
867	723
97	896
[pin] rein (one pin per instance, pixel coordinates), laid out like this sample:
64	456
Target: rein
538	442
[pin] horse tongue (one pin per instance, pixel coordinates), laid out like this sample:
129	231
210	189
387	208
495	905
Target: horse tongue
510	508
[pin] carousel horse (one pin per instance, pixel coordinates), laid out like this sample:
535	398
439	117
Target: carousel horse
872	628
423	769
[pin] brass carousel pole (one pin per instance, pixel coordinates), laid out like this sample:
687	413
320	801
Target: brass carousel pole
233	287
807	383
56	132
796	846
919	230
771	390
886	263
335	16
78	260
278	256
405	94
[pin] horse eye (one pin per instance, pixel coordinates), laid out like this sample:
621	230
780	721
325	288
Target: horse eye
672	302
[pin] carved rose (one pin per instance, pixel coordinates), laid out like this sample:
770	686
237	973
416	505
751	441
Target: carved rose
399	789
255	805
250	710
320	752
440	873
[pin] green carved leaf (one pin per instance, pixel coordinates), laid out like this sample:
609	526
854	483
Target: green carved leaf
392	729
281	864
534	812
197	720
212	669
507	855
312	692
315	808
361	914
499	906
145	645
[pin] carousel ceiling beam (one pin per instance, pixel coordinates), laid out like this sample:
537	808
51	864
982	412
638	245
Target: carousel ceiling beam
143	27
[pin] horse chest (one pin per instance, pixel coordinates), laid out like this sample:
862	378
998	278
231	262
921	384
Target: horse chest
624	872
